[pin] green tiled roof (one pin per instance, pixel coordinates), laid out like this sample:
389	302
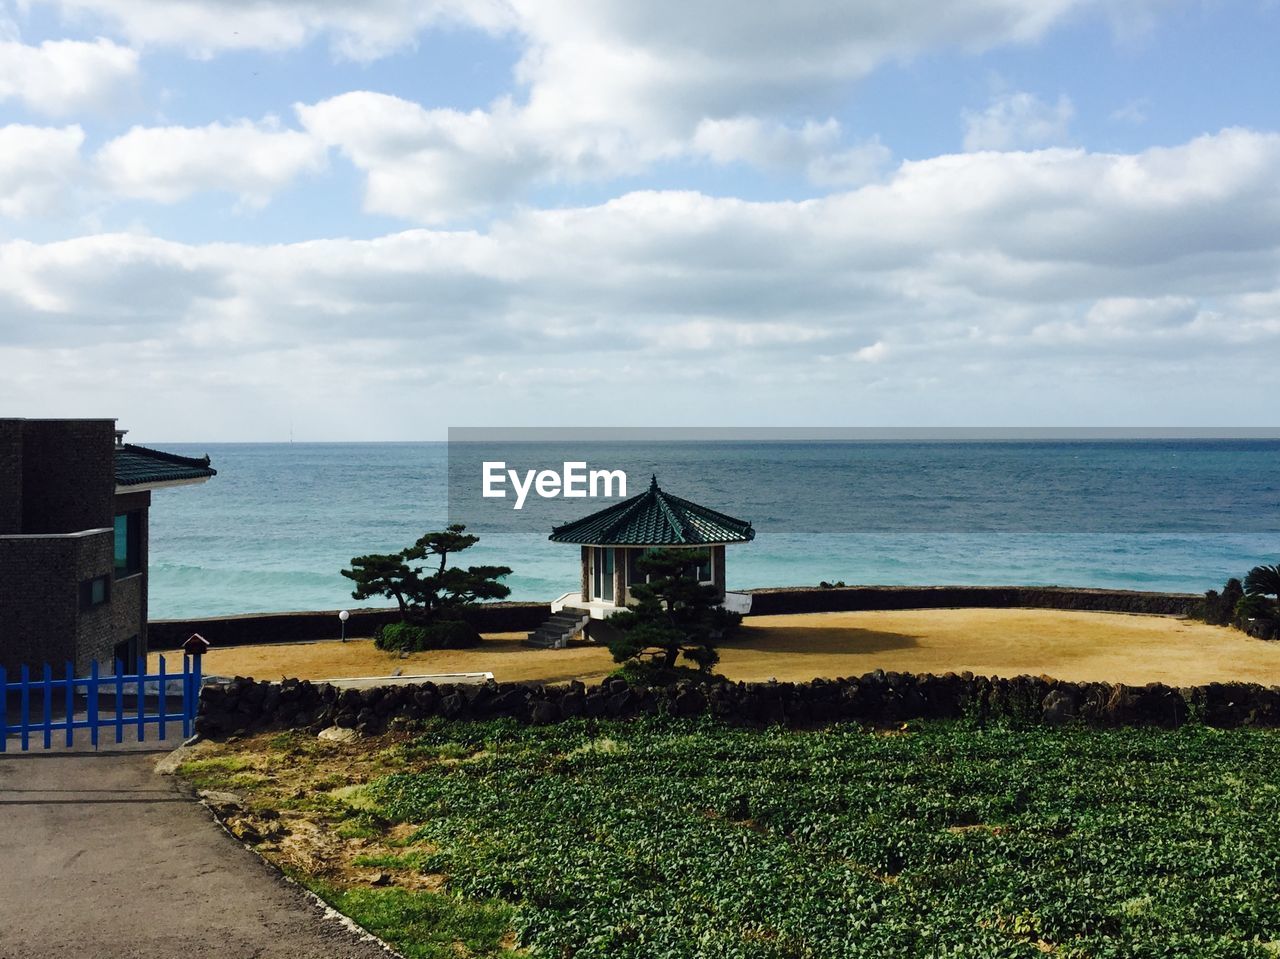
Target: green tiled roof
654	518
136	465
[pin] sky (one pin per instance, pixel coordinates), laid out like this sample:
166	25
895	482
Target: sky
251	220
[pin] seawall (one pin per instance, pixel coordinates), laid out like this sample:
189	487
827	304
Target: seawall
287	627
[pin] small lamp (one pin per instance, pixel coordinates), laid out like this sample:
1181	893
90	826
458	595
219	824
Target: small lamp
343	617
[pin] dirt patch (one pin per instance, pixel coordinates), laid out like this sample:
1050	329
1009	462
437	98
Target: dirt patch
1078	646
301	808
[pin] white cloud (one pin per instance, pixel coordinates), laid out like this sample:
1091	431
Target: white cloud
814	148
439	165
587	62
730	43
913	293
251	160
62	77
428	165
357	31
1018	121
603	89
39	166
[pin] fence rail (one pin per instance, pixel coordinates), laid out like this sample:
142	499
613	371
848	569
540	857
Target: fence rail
105	701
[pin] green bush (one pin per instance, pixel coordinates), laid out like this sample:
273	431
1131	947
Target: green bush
647	672
412	637
1246	606
1219	609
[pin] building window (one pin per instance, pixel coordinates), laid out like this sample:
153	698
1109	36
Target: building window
126	654
95	592
128	537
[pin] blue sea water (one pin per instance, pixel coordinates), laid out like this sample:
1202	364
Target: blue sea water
273	529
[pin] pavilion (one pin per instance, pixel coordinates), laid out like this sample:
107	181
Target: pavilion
613	539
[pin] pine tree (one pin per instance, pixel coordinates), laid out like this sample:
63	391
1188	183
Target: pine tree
418	578
675	614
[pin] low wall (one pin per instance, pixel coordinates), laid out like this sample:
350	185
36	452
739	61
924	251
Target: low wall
852	598
524	617
244	705
300	627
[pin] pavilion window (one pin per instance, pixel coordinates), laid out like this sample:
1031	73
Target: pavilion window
704	568
602	573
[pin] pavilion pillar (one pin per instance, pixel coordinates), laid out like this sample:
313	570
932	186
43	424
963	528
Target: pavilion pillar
619	576
586	574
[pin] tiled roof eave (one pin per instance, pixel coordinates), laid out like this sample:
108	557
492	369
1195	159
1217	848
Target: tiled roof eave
137	467
654	519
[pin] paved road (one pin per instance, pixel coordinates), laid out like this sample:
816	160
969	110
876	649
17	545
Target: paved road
100	858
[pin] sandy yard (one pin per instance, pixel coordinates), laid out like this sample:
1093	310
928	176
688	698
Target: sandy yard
1005	642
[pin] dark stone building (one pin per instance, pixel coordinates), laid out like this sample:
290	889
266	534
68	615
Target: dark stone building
74	499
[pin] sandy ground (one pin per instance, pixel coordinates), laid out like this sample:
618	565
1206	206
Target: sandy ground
1003	642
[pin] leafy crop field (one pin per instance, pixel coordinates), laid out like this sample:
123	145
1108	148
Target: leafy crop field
676	839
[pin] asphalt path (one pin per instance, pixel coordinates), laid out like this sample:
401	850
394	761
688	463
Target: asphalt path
102	858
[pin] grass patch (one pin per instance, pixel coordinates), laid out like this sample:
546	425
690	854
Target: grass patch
426	925
672	838
217	772
424	862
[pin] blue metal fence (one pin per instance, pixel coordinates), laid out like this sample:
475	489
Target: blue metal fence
84	705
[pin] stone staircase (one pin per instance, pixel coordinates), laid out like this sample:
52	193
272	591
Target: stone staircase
556	632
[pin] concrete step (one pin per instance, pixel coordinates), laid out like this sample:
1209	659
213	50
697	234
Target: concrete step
556	632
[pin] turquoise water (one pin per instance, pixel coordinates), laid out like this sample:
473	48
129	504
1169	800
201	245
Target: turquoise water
273	529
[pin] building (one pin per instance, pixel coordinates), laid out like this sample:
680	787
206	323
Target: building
613	539
74	501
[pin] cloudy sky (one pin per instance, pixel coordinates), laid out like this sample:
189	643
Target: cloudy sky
227	219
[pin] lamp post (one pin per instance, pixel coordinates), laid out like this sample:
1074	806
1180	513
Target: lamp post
343	617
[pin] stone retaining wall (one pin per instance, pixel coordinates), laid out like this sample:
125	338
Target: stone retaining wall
244	705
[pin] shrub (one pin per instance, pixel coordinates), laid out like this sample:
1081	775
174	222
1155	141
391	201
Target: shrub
411	637
647	672
1247	606
675	614
1219	609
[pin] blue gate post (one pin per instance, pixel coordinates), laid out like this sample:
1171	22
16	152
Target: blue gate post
70	702
93	703
196	683
193	650
141	703
119	701
188	710
25	677
160	701
48	706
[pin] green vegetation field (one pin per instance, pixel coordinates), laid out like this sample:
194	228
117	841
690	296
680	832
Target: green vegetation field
669	839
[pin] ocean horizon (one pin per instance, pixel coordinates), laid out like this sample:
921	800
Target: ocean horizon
273	529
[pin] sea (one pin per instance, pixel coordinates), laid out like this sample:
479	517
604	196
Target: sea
273	530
